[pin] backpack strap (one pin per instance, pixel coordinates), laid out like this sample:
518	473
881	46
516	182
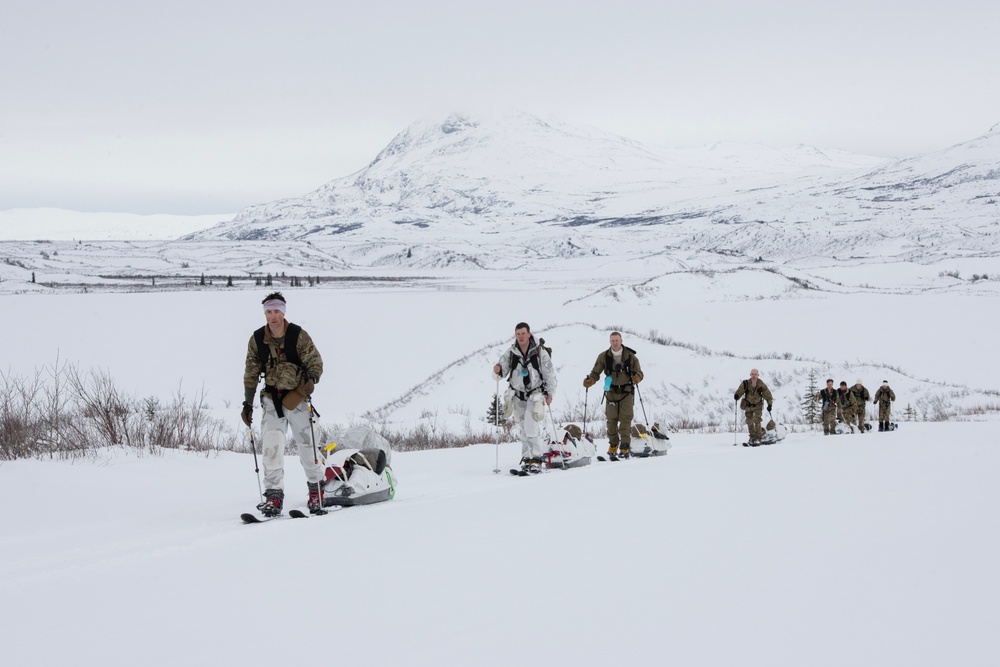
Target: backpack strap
291	347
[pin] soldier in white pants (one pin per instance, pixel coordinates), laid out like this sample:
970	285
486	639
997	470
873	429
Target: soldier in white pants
532	379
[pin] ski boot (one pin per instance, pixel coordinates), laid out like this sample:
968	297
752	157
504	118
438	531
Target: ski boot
624	450
315	503
273	501
531	466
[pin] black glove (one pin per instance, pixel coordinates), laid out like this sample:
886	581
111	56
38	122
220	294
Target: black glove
736	397
769	407
247	414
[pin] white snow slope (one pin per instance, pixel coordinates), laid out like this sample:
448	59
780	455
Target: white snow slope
851	550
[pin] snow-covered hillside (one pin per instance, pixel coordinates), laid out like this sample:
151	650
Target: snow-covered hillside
508	172
852	550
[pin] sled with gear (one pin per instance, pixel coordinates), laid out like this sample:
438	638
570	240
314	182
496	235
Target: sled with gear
649	442
843	428
358	469
577	449
773	433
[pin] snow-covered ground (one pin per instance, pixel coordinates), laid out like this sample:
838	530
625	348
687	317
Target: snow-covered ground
862	550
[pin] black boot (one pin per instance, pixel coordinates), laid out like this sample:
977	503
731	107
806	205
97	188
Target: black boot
273	501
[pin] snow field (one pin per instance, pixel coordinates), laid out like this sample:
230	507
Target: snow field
866	550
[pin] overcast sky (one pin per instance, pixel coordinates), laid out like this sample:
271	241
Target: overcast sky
206	107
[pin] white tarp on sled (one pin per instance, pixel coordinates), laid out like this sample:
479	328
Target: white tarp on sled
575	450
774	433
649	442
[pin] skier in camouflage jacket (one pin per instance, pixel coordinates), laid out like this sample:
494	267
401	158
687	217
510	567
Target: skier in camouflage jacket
289	378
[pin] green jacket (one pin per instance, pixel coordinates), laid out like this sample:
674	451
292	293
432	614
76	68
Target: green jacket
623	374
884	395
280	372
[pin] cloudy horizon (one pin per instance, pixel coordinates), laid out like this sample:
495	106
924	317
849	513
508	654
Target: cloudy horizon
209	107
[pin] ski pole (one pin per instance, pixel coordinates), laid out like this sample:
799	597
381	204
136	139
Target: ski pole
555	438
312	434
256	466
645	419
586	397
496	422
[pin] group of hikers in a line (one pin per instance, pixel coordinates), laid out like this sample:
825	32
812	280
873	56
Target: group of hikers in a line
527	366
287	359
849	405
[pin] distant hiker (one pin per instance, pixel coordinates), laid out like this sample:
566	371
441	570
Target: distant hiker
884	397
621	373
284	354
845	404
828	397
861	398
754	394
532	379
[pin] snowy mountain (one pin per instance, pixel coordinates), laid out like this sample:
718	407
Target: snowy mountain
515	170
538	181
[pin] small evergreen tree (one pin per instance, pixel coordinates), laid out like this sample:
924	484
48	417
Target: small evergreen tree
229	281
32	276
810	408
909	413
267	282
202	281
494	415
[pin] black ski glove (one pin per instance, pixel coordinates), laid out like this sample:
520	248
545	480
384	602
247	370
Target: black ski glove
736	397
247	414
768	408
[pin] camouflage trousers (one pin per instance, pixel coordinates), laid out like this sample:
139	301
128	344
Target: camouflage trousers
830	418
884	411
856	416
619	411
754	413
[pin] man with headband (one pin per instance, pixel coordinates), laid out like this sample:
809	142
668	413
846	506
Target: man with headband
284	354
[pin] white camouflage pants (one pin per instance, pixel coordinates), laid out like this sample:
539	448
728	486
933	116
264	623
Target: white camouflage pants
273	430
529	415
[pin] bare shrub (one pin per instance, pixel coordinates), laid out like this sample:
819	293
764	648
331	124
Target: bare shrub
76	413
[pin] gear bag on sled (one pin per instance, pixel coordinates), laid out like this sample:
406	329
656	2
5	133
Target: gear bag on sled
358	468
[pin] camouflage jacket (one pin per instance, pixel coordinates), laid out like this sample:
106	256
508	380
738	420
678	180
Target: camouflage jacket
861	396
280	372
884	394
846	399
753	396
621	373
